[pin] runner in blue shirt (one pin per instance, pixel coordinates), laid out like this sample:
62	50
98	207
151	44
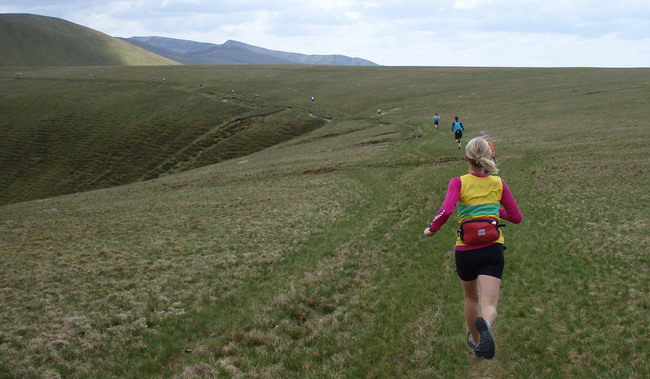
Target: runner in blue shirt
457	127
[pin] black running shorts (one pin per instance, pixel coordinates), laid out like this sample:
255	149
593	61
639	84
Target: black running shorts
458	134
487	260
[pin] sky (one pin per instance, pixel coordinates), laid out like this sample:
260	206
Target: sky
487	33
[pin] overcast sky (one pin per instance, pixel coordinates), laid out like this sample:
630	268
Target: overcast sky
519	33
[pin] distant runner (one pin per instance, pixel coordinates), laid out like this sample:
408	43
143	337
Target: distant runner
457	127
436	120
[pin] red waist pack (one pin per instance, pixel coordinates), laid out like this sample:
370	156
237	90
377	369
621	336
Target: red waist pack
479	231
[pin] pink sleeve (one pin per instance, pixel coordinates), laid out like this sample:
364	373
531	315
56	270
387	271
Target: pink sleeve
510	211
448	206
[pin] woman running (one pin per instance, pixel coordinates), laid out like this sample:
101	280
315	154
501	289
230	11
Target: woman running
479	264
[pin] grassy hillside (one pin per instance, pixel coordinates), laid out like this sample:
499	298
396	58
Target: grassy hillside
306	259
31	40
62	132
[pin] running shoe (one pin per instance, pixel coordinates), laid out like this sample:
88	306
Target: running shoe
475	348
486	345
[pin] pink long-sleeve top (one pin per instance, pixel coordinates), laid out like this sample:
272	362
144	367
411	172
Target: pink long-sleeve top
509	212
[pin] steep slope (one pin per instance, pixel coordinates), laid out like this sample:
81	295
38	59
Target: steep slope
66	135
32	40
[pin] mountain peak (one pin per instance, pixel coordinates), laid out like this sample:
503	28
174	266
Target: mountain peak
236	52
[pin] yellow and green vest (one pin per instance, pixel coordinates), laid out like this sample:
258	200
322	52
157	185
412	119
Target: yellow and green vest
479	198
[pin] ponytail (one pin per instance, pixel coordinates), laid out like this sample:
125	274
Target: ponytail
489	165
479	153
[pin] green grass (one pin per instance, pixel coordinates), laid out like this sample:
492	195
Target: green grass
31	40
65	135
305	259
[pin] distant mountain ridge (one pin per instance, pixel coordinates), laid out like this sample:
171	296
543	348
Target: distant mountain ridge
32	40
234	52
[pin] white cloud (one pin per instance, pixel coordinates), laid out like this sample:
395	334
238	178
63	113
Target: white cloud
471	4
331	5
352	16
173	3
370	4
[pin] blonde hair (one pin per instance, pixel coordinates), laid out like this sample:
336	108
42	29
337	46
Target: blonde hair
479	153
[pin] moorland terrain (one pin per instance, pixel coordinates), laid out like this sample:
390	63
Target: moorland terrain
274	236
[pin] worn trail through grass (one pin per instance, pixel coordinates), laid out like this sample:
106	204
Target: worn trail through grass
321	287
365	279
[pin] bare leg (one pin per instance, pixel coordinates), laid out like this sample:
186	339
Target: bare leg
472	310
490	287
